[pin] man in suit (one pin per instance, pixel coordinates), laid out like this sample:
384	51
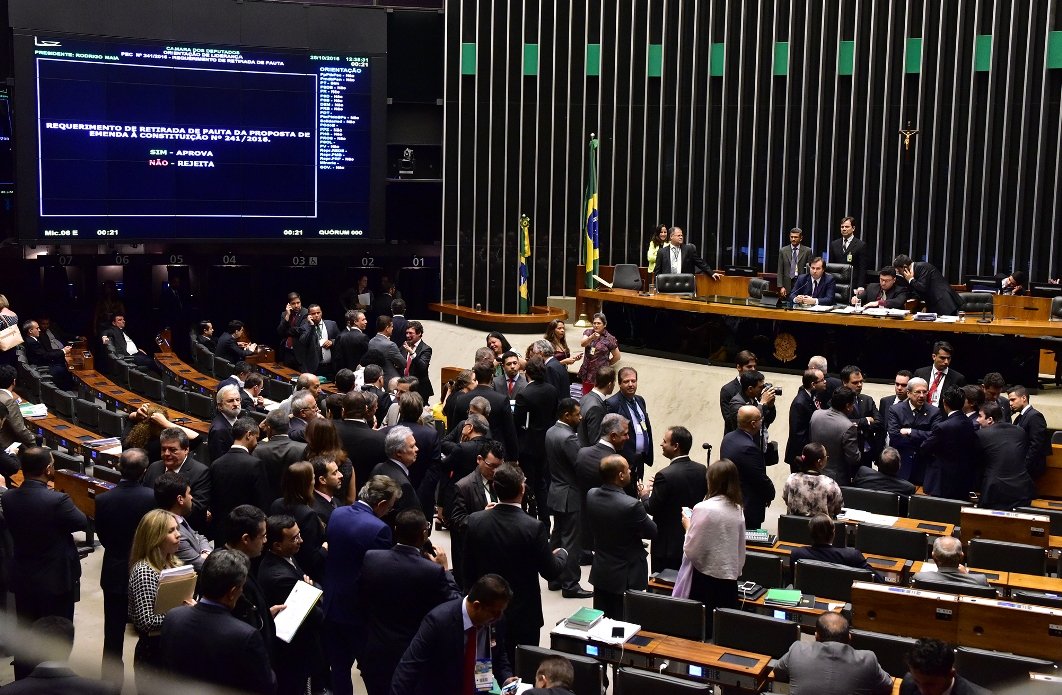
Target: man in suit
400	447
173	443
866	416
565	496
745	362
814	287
742	447
247	534
948	557
851	250
45	570
220	437
929	285
383	352
54	675
792	259
173	494
205	643
352	531
536	412
822	530
1006	482
352	343
800	412
753	391
303	408
14	427
931	671
473	493
506	541
682	483
899	385
886	293
417	356
951	452
830	666
233	345
241	372
124	347
832	383
910	422
995	388
510	382
117	515
615	430
398	587
278	573
238	477
638	449
940	376
52	359
363	444
556	372
502	425
677	257
426	471
593	405
205	336
327	484
452	638
619	523
885	478
398	318
288	328
313	346
279	451
1035	425
554	676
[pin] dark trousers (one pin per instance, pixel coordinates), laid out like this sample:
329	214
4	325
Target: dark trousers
566	535
29	607
115	610
516	633
713	593
343	642
147	664
611	604
144	362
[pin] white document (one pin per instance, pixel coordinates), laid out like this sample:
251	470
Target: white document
604	282
365	299
299	603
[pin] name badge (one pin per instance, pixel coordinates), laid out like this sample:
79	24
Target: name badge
849	258
593	351
484	676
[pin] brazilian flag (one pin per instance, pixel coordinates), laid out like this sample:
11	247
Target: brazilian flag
524	246
591	243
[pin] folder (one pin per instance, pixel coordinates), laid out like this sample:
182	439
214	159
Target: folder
299	603
174	588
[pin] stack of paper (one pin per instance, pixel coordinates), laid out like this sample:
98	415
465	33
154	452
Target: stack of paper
176	585
783	597
33	409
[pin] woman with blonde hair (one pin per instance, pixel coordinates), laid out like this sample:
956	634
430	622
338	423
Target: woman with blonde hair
154	549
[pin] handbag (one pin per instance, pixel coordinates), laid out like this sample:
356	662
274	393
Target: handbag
10	337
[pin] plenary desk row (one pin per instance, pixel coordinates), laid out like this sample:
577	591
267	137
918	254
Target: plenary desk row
82	488
58	433
184	375
118	398
968	621
1007	582
895	570
267	365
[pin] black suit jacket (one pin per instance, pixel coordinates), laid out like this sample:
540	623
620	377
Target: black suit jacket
501	417
1035	426
507	541
419	368
800	412
588	465
933	289
408	500
562	449
757	490
1006	482
53	679
849	557
857	257
397	588
895	297
198	477
40	521
398	335
690	261
726	394
349	348
961	687
219	438
557	374
311	556
38	353
536	407
308	349
277	454
884	405
952	379
900	416
117	340
291	327
460	462
619	523
277	577
619	404
237	477
871	479
205	643
682	483
227	349
323	508
364	447
952	452
117	514
825	291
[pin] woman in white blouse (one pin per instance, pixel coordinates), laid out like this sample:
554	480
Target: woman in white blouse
715	542
154	549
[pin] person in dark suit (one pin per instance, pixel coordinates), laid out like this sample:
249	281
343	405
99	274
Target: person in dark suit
502	426
822	549
886	293
677	257
417	356
742	447
452	637
910	422
238	477
815	287
117	514
383	352
792	259
288	328
832	383
885	478
565	496
241	372
233	345
614	433
506	541
554	676
313	345
220	437
13	428
931	671
682	483
204	642
638	449
593	406
279	451
619	523
511	381
951	451
556	371
176	459
205	336
363	444
995	388
400	447
278	573
473	493
115	337
800	412
54	675
426	471
899	385
352	343
327	483
398	587
851	250
948	557
929	285
865	414
753	391
535	412
940	376
398	318
830	665
247	534
173	494
1006	482
1035	425
745	362
42	355
45	570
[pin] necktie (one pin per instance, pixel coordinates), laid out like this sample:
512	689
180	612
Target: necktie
676	264
512	385
288	342
845	249
470	661
796	252
318	328
882	299
936	383
491	495
814	286
409	361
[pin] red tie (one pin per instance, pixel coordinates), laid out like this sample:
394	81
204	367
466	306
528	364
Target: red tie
511	385
936	383
409	361
470	662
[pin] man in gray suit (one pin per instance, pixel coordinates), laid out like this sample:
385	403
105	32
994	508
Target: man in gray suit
14	426
593	406
948	556
383	352
791	261
829	664
279	451
615	431
565	498
834	430
174	494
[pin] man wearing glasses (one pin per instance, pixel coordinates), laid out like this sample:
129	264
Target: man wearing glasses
742	446
303	409
800	412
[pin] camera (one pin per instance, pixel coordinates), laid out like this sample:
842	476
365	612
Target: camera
777	389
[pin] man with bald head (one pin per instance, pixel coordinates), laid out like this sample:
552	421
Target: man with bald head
830	665
742	446
619	523
948	557
677	257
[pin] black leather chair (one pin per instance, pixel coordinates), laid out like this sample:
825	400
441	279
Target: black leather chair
763	568
998	671
842	277
977	302
627	277
1054	515
677	283
757	286
891	650
894	542
111	424
633	681
153	389
873	501
794	529
71	462
751	632
176	398
63	404
827	580
204	360
589	673
222	368
87	414
1006	557
667	615
944	586
200	406
277	390
105	473
939	509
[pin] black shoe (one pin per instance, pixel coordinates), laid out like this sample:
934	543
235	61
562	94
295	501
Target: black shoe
577	593
554	586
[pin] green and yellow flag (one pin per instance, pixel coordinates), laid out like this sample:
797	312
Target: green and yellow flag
591	248
524	246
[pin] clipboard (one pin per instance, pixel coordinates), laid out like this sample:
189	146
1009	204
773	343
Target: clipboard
300	602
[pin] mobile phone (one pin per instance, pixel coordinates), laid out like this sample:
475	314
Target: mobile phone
687	512
511	688
617	631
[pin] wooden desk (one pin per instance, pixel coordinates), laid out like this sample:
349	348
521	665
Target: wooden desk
896	610
58	433
82	489
1050	483
1032	582
931	528
118	398
805	616
271	369
1026	308
539	316
1053	505
1012	527
1010	627
185	376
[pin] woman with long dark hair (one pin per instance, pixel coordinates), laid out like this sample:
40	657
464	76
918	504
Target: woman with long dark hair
296	485
807	491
